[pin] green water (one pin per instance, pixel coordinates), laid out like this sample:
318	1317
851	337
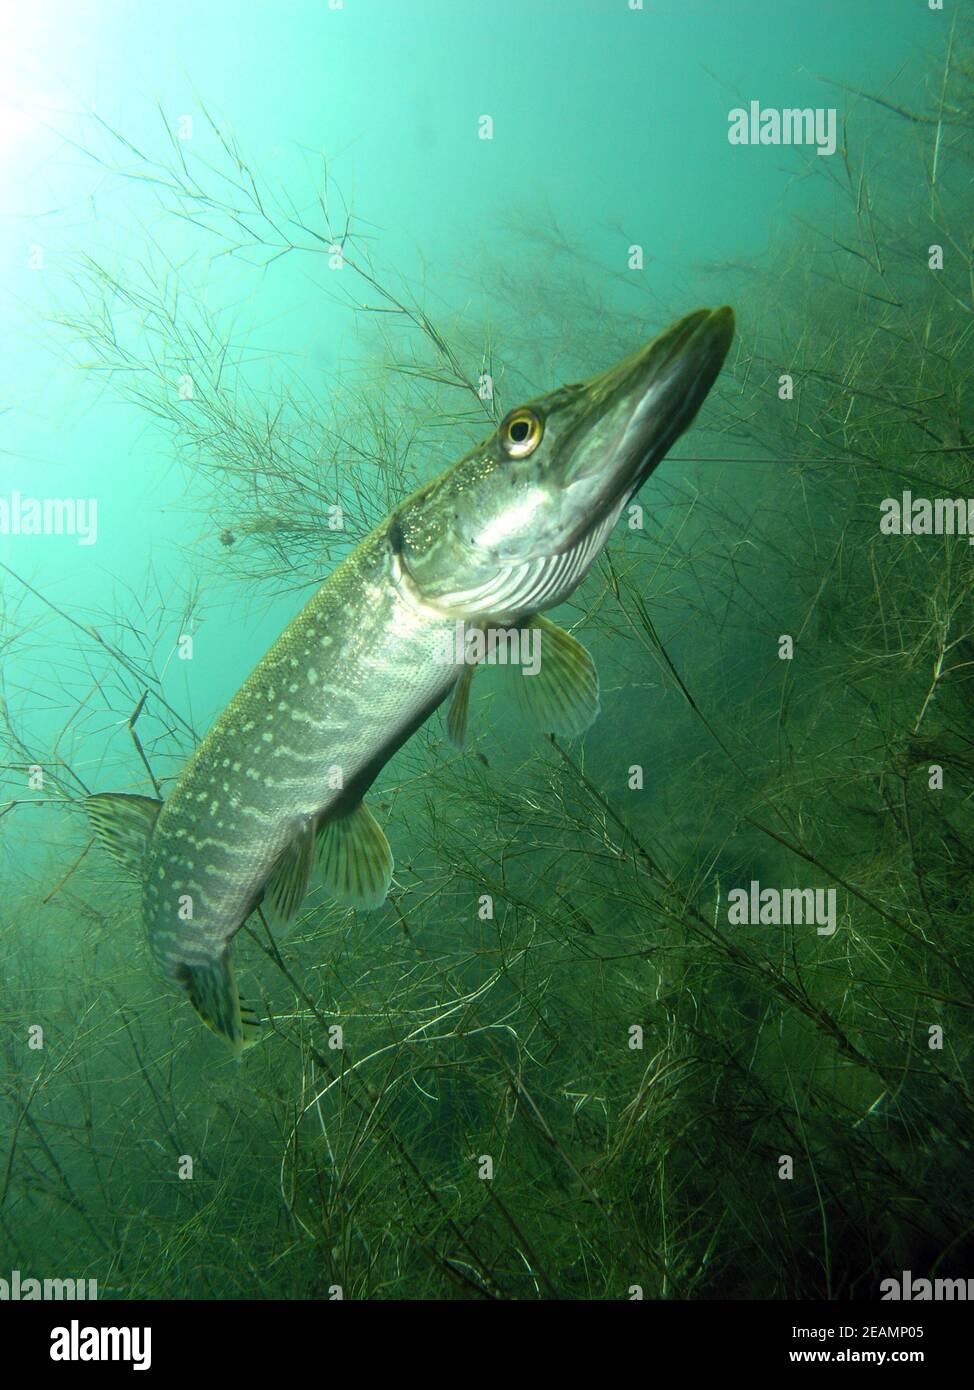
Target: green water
565	1069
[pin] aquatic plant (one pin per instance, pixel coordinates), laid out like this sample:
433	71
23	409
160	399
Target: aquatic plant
619	1158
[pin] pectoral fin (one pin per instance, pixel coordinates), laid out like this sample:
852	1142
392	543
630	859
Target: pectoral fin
355	859
562	696
456	718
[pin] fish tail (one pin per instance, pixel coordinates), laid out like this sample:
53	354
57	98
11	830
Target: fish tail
211	989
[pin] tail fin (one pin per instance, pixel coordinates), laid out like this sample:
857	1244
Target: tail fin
212	992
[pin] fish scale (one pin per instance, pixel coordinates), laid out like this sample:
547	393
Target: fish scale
340	683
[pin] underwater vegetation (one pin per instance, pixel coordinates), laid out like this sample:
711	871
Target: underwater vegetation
559	1061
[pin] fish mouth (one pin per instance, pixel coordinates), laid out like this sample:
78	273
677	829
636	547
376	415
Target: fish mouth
640	407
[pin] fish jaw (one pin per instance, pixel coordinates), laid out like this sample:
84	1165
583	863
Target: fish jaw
639	408
507	535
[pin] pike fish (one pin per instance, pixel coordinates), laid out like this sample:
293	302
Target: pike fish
274	792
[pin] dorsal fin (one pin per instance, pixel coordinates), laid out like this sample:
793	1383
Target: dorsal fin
123	824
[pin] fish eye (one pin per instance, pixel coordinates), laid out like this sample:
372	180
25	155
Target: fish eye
521	433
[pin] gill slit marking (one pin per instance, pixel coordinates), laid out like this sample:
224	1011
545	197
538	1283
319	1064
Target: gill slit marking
526	586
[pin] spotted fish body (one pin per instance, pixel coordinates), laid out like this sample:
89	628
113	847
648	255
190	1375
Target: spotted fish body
277	783
312	725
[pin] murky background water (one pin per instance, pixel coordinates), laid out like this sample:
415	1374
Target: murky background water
602	1079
